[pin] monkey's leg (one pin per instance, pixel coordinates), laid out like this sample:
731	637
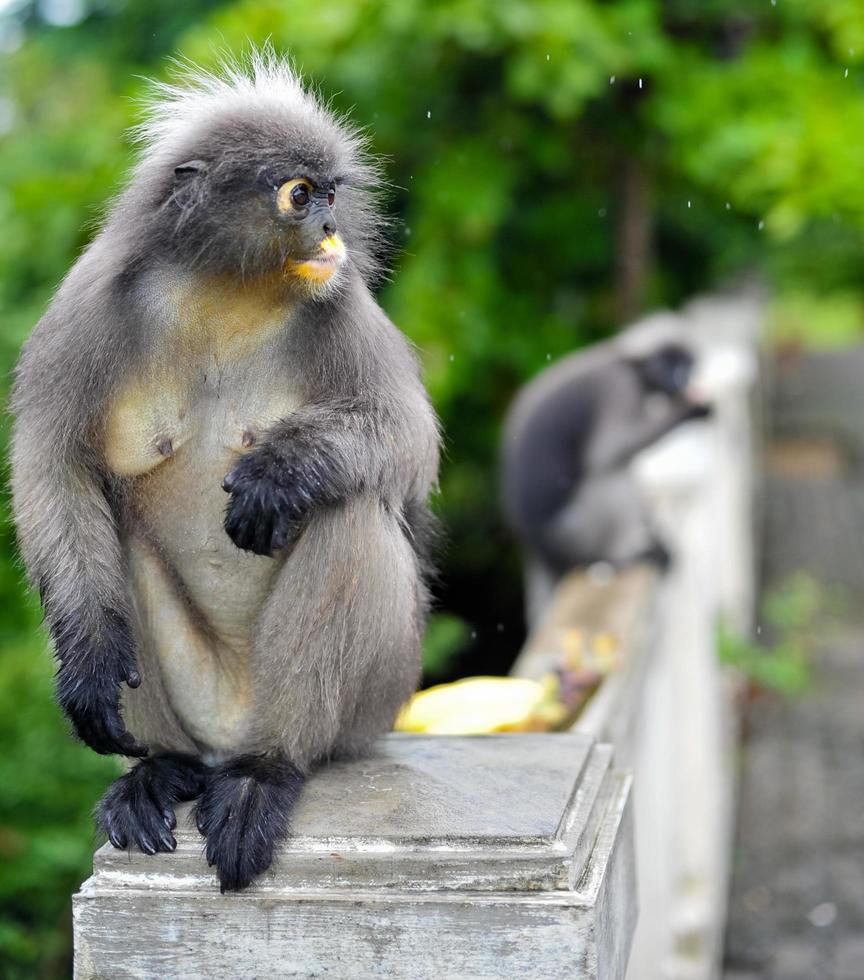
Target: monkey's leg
606	520
337	647
244	813
337	651
139	807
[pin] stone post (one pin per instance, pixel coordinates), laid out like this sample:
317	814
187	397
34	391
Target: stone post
492	856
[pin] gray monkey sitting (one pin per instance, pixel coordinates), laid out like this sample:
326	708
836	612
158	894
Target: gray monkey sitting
569	494
218	343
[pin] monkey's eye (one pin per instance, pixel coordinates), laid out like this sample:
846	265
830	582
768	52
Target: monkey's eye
294	195
331	195
300	196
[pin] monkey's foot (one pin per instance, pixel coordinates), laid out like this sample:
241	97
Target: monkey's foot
138	808
243	812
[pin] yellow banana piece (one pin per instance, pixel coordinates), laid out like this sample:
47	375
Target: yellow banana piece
478	705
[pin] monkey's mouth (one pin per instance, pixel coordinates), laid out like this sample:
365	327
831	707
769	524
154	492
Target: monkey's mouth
321	266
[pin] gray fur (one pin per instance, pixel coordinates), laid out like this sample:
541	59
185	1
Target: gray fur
141	388
568	490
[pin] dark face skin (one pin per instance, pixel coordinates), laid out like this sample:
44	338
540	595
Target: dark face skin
307	207
244	204
667	370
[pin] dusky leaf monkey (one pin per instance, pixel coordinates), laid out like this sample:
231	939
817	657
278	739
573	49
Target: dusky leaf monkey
222	455
569	494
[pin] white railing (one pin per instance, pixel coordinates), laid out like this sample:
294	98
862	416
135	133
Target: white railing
669	711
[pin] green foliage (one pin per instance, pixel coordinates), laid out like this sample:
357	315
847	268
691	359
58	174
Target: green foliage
792	615
48	787
446	637
816	320
508	125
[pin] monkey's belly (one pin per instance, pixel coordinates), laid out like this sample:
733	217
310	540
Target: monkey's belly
198	598
197	594
206	681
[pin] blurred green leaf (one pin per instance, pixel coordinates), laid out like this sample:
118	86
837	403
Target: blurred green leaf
446	637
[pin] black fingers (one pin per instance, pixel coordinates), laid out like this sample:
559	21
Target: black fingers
101	727
244	813
258	520
658	554
699	410
138	809
95	659
272	491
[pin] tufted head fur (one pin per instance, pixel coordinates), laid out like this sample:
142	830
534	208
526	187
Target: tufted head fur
215	150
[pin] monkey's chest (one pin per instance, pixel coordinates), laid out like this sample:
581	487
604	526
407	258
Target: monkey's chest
196	419
174	442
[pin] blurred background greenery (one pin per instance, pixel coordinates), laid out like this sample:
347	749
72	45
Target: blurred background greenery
558	166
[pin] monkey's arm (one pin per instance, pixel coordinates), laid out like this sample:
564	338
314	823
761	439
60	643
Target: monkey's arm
323	454
68	538
615	448
367	427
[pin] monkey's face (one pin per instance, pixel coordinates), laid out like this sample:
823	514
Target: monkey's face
263	198
308	212
667	370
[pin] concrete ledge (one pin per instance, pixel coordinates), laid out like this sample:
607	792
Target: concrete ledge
622	610
492	856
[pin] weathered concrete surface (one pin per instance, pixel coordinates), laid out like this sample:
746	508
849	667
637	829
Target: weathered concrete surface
797	904
492	856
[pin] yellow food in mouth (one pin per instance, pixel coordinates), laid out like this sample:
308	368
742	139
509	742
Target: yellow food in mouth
331	254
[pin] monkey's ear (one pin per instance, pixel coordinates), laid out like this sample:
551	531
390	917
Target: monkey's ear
190	169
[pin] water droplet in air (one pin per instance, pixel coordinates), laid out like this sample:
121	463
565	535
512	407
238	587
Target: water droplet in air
611	79
428	113
823	915
728	206
452	358
689	204
761	225
640	83
548	57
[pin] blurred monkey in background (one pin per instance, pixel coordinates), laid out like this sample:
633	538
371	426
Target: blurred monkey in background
222	454
569	493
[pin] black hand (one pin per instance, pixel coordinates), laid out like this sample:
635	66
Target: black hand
92	668
699	410
271	492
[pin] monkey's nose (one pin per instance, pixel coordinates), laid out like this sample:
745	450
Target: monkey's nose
329	226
